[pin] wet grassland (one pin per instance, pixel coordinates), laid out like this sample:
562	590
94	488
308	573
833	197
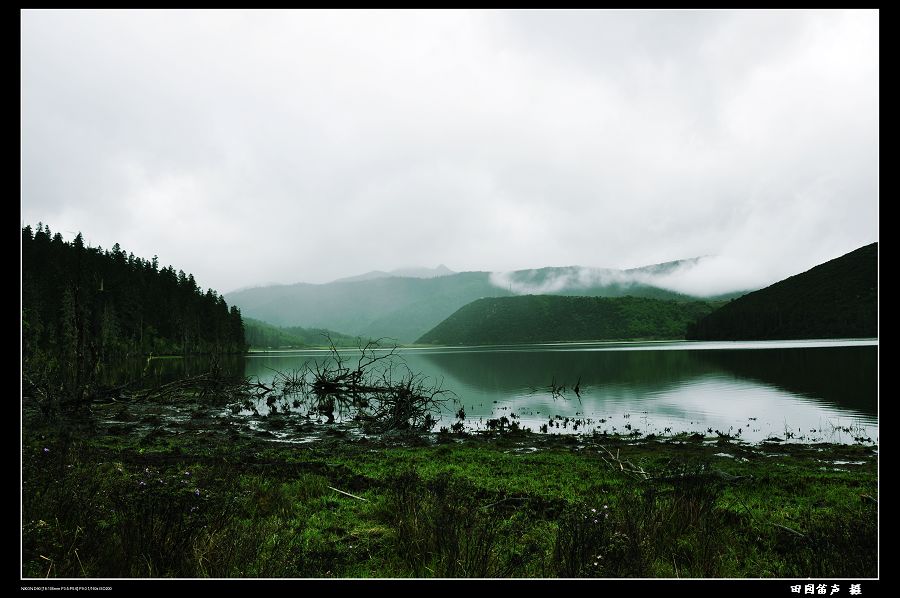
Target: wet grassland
120	492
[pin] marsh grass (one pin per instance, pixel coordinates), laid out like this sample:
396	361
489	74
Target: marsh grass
182	506
440	528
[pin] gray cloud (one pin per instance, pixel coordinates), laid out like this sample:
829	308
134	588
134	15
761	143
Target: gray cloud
249	147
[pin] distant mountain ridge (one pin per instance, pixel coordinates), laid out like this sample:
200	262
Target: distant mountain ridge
404	308
441	270
836	299
666	267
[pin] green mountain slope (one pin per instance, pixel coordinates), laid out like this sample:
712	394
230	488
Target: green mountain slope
548	318
261	335
837	299
400	308
404	308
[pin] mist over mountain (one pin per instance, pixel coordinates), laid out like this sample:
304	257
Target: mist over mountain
837	299
404	307
575	280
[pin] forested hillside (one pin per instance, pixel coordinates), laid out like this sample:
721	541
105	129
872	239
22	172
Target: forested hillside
86	305
837	299
547	318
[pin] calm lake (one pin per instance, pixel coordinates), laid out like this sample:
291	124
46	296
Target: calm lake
807	391
811	391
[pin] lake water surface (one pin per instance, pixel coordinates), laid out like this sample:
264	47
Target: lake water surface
794	390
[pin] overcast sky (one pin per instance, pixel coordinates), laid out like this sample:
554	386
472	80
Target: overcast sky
255	147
